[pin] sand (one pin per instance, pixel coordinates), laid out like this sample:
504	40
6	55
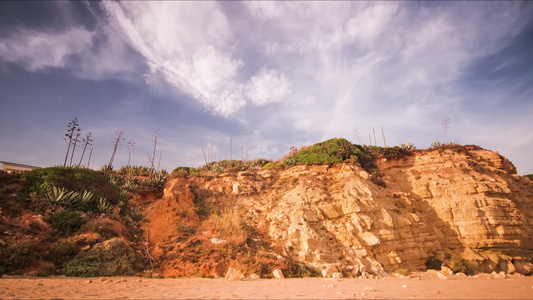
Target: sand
421	286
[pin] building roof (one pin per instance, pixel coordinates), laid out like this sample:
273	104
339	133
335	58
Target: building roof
6	163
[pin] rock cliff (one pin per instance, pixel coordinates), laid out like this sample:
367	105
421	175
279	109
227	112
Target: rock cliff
465	202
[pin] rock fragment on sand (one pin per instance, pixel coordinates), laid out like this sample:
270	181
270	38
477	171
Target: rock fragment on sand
324	273
255	277
89	281
102	279
404	286
218	241
336	275
278	274
233	274
441	276
446	271
368	290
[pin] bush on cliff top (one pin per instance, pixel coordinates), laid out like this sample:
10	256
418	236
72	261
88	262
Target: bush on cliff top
331	151
41	181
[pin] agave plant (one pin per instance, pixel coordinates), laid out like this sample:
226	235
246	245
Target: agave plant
114	180
103	206
62	196
123	196
86	197
130	185
408	146
158	180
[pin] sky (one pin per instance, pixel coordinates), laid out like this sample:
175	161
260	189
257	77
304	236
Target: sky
252	79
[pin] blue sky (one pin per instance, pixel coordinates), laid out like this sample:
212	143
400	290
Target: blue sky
264	75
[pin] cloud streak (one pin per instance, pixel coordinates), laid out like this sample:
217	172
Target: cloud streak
281	74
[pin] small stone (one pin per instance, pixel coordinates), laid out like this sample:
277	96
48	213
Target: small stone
404	286
368	290
139	280
441	276
278	274
324	273
218	241
336	275
89	281
255	277
102	279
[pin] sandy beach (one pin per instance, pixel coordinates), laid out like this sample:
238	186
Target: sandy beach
417	286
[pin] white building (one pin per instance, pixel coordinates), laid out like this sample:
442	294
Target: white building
14	168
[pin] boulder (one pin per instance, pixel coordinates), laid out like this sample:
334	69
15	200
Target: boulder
441	276
278	274
446	271
233	274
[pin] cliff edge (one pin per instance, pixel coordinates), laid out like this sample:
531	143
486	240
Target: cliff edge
428	206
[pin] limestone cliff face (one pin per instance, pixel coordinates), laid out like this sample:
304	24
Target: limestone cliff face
436	204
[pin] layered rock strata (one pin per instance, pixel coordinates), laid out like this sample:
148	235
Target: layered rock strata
436	204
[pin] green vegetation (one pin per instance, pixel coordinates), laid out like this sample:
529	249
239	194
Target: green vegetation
61	252
110	258
157	180
67	221
331	151
42	181
269	165
46	270
134	171
20	255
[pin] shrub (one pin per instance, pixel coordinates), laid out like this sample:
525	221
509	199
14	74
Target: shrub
134	170
66	221
42	181
46	270
331	151
269	165
106	228
110	258
461	265
61	252
1	271
20	255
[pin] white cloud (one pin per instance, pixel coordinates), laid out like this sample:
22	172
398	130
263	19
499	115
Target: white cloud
37	50
189	44
268	86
